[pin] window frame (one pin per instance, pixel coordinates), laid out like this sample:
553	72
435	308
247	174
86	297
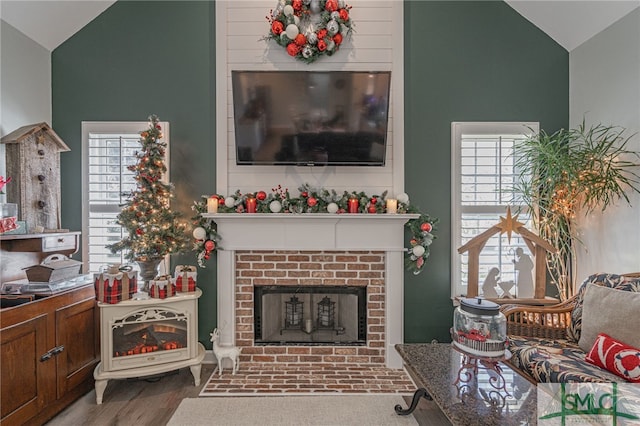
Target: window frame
115	128
457	130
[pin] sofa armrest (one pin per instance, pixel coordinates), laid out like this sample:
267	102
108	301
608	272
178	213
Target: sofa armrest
549	322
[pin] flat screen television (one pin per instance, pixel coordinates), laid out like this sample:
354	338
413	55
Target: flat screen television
311	118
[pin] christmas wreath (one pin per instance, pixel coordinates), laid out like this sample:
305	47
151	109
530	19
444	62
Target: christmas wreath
310	200
308	29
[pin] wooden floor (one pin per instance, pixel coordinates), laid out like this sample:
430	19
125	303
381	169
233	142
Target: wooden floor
143	402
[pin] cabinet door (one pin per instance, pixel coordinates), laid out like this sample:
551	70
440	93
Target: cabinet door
24	375
77	331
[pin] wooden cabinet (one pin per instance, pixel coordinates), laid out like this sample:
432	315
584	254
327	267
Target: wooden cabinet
48	347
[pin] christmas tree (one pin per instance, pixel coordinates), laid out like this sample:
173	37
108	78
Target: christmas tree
153	229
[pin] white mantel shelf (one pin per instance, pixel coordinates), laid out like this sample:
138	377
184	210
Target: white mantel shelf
314	231
310	231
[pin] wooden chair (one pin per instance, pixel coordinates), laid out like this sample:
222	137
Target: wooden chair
549	322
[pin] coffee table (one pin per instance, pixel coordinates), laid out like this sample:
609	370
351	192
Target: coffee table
469	390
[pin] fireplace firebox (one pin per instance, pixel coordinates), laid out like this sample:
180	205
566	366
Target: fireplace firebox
310	315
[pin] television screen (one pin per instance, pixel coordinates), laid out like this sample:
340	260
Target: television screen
310	118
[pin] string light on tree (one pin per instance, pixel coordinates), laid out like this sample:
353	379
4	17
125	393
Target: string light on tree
154	230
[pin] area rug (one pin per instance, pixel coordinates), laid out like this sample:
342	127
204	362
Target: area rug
270	379
325	410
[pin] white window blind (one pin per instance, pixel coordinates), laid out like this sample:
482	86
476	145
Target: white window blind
109	148
483	176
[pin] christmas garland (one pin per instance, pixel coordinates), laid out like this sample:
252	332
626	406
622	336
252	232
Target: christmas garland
309	29
311	200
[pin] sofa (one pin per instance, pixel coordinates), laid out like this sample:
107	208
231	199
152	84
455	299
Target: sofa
553	344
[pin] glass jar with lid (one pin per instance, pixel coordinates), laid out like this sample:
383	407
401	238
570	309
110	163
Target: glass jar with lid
479	328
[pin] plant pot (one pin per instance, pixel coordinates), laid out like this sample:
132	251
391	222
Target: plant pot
148	271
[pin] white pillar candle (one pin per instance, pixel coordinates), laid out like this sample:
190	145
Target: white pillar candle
212	205
392	206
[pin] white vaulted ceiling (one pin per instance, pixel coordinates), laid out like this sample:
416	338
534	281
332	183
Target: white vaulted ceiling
568	22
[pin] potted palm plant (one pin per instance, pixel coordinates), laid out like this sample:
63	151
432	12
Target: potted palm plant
569	173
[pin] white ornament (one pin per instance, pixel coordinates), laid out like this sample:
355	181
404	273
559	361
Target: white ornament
296	21
230	202
403	198
288	10
275	206
418	250
312	38
332	207
335	15
292	31
199	233
333	27
307	52
331	45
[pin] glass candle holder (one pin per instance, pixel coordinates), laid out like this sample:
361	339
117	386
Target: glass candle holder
212	205
392	206
353	205
251	205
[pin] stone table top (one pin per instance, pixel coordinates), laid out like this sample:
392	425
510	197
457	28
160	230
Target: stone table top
469	390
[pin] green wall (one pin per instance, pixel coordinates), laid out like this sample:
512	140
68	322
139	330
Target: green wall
135	59
464	61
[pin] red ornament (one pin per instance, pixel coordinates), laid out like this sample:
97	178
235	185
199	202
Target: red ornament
337	39
426	227
374	200
297	5
221	201
322	34
344	14
311	201
331	5
261	195
371	209
304	194
322	46
293	49
277	27
209	245
300	40
139	231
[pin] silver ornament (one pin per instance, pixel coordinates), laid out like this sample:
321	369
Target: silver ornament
333	27
335	15
312	38
315	6
331	45
307	52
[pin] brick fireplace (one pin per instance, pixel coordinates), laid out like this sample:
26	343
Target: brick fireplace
299	272
312	250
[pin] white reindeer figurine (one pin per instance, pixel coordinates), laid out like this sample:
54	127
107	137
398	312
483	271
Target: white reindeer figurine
221	352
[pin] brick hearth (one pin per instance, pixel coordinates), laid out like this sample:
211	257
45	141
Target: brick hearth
311	268
298	378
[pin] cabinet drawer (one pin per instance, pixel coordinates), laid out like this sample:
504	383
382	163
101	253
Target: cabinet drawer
59	243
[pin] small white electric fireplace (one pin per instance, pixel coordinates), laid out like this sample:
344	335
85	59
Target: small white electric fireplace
150	336
312	252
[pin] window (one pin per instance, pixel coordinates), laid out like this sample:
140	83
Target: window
483	175
108	148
